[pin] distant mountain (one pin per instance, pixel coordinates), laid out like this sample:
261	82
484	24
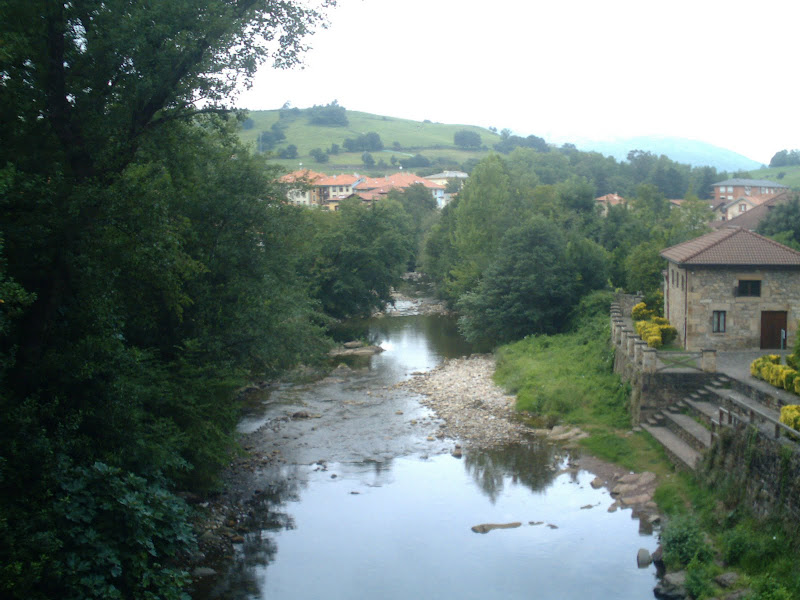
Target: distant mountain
681	150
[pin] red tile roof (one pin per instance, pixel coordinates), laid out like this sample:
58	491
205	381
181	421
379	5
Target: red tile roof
304	175
341	179
732	246
398	180
610	199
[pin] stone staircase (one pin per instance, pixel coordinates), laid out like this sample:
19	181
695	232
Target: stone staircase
686	428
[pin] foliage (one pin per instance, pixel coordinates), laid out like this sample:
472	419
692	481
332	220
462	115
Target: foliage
643	267
467	138
367	159
147	274
656	331
319	155
568	376
360	252
790	415
510	142
289	152
770	369
366	142
267	140
785	158
683	541
415	162
420	206
529	288
640	312
783	223
329	115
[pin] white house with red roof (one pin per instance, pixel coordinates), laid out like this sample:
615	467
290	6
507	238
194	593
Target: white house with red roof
373	188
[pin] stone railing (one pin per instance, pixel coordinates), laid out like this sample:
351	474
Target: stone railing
626	341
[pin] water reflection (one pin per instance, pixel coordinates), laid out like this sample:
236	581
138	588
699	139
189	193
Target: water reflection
532	465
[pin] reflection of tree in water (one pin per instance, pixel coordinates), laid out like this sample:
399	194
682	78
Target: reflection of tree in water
265	514
533	465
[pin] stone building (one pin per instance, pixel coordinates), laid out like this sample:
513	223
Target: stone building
732	289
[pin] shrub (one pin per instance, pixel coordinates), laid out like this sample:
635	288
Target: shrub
788	379
769	589
790	416
682	540
793	361
640	312
656	331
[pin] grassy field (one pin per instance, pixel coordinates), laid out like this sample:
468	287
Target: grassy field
433	140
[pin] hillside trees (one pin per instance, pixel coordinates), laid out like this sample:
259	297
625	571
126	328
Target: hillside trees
785	158
783	223
465	138
330	115
148	271
366	142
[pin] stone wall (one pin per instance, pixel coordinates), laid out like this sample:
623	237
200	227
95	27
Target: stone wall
713	289
757	470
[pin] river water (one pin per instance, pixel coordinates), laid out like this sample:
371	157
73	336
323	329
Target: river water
368	504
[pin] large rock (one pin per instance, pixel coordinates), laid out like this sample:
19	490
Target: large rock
643	558
672	587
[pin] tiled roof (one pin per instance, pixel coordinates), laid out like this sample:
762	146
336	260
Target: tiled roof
751	218
751	182
304	175
610	199
341	179
732	246
448	175
398	180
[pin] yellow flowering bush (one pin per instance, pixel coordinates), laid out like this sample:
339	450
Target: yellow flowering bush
770	369
640	312
790	416
656	331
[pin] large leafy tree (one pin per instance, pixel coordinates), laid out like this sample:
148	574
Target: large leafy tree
529	288
147	272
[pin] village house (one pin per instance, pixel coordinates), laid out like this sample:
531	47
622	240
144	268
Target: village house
444	178
374	188
750	219
732	289
733	197
301	187
604	202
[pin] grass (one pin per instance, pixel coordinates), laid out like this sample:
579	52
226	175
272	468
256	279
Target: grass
791	175
433	140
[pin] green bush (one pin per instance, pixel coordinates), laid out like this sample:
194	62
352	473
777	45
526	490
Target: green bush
698	578
682	541
793	361
767	588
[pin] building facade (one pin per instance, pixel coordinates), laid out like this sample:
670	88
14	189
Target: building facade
732	289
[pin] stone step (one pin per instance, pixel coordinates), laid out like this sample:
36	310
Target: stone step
681	453
689	430
705	411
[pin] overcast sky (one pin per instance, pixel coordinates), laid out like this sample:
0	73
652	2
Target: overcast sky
723	72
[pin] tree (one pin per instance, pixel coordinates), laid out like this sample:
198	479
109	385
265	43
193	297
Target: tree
466	138
415	162
367	159
367	142
782	223
362	252
529	287
334	149
319	155
289	152
150	253
329	115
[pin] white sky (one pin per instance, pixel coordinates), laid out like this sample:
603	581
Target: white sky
723	72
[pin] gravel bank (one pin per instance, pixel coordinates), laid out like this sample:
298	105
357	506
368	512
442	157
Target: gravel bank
475	410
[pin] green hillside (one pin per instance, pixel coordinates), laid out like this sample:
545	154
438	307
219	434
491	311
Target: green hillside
791	175
402	138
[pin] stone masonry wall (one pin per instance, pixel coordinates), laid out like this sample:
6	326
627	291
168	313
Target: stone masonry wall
712	289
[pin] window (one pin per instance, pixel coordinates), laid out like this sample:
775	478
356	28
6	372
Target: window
749	287
730	189
747	190
742	207
718	321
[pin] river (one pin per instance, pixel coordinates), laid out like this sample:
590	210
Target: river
366	502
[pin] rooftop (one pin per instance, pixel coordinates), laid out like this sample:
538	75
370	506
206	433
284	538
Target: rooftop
732	246
751	183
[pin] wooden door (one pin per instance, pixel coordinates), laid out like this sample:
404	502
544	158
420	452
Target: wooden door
773	322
